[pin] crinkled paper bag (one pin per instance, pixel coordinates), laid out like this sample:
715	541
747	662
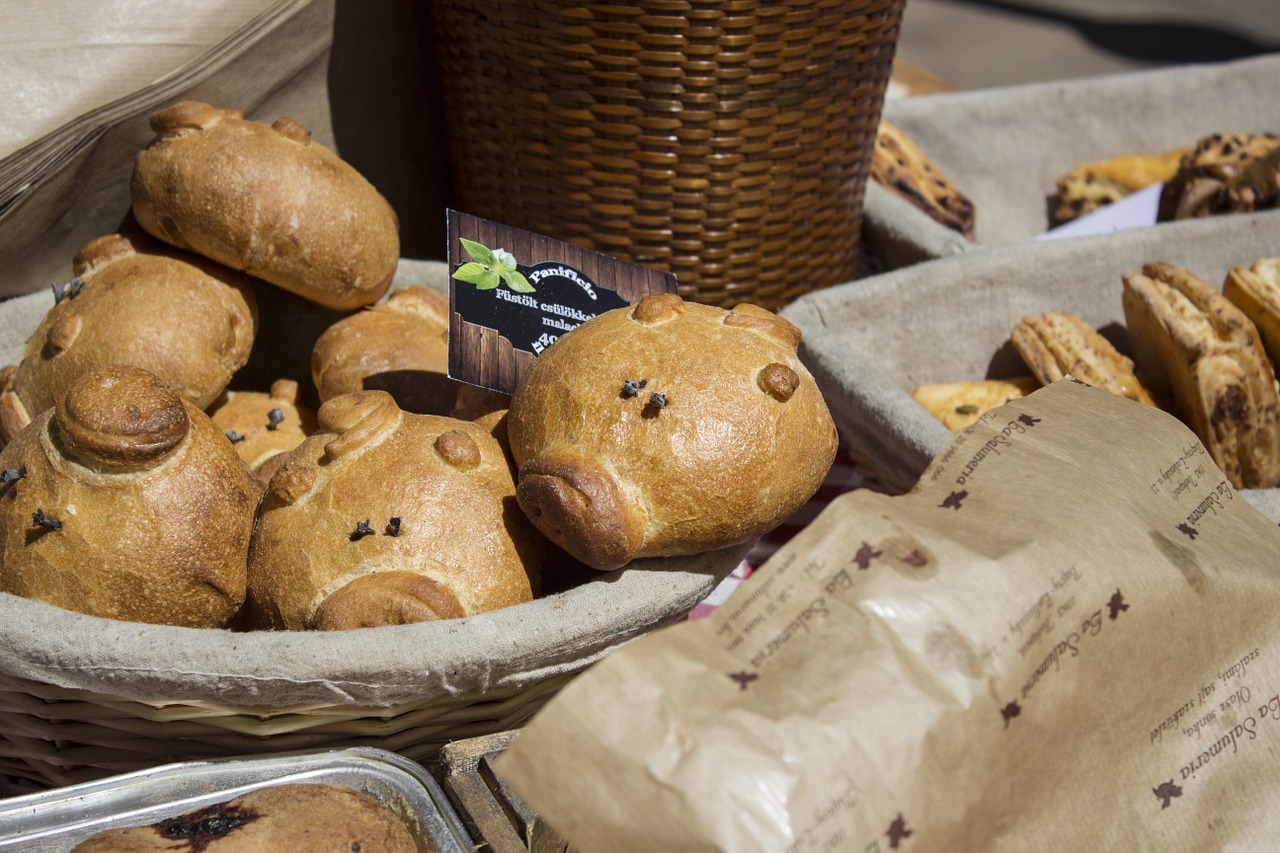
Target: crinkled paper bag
1065	638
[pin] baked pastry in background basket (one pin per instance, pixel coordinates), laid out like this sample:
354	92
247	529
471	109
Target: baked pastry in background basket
960	404
1091	186
1202	360
898	164
1058	343
1224	173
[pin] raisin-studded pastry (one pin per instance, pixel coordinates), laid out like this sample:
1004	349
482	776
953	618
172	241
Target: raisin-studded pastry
1058	343
666	428
1256	291
185	319
288	818
1090	186
266	199
263	427
960	404
1201	358
127	502
400	346
898	164
384	517
1224	173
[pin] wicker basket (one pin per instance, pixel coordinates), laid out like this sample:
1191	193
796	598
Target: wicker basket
727	142
83	697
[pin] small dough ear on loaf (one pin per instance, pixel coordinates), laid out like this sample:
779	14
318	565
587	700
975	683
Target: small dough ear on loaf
266	199
126	502
1202	360
384	517
400	346
181	317
668	428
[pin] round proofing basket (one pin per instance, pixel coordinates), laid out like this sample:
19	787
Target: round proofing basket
727	142
83	697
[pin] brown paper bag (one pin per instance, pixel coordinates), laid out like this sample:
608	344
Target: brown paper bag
1064	639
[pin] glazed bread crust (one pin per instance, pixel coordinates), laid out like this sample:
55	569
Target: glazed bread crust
147	510
400	346
268	200
738	438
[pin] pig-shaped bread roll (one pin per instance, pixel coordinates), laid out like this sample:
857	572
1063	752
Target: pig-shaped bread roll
384	517
266	199
181	317
400	346
264	426
668	428
126	502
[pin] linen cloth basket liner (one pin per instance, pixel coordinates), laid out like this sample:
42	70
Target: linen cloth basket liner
83	697
725	142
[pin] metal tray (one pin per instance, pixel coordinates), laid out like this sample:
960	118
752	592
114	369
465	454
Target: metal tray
55	821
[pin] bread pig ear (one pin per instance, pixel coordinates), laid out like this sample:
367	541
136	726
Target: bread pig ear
764	322
386	598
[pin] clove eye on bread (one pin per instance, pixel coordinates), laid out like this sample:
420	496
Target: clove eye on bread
668	428
126	502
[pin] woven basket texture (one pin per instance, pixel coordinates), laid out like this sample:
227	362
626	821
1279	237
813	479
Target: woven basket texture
50	736
727	142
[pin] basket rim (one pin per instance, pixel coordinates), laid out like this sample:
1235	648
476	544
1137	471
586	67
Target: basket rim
379	667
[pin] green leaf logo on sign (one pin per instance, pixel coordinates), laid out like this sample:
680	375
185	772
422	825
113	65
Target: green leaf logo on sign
489	268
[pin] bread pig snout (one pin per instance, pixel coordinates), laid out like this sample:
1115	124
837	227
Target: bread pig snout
577	502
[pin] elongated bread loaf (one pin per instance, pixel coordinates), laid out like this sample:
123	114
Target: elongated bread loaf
268	200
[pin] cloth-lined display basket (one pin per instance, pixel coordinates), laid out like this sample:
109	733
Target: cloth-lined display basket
83	697
727	143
